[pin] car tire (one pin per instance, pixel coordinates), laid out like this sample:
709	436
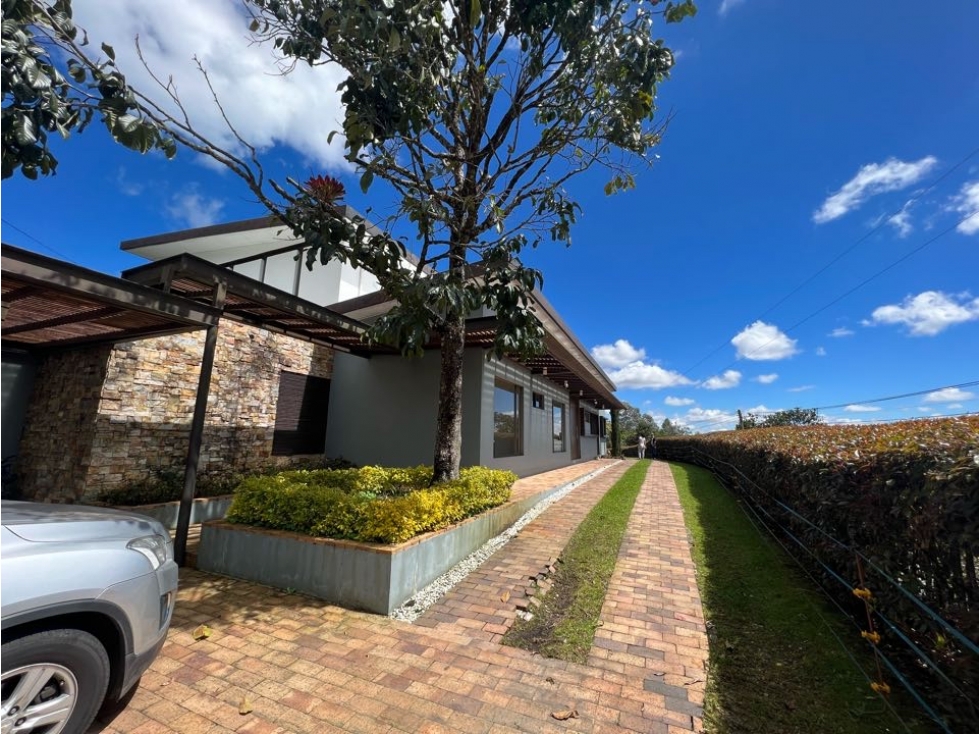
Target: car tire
68	668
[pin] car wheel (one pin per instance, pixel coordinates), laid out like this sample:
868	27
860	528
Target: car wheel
53	682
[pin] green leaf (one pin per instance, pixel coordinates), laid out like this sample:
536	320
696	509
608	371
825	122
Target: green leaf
475	11
109	51
366	180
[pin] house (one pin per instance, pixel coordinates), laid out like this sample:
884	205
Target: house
277	372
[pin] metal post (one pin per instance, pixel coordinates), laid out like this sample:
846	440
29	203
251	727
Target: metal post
197	434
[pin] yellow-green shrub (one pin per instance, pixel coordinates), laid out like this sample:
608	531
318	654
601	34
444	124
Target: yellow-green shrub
371	504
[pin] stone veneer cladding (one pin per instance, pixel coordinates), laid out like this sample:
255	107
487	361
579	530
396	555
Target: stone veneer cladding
101	418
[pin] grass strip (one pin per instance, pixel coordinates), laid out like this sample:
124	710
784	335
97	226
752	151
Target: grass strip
564	624
774	665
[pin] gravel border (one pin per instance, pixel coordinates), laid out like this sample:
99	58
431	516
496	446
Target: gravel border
418	604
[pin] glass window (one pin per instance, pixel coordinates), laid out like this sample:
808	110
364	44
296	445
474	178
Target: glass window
539	400
558	423
507	420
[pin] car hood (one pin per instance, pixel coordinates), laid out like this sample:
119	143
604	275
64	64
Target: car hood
40	522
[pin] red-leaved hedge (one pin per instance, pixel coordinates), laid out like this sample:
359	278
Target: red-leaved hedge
904	495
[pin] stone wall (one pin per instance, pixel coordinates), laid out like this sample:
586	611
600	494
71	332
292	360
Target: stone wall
56	447
138	422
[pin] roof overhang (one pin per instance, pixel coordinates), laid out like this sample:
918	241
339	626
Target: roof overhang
564	360
50	303
250	301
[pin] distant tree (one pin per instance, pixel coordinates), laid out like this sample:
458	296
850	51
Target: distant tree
633	423
669	428
791	417
476	113
48	88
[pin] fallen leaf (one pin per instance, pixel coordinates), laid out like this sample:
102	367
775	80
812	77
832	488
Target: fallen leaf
565	715
202	632
506	597
245	707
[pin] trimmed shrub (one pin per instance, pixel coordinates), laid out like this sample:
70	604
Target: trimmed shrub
372	504
906	497
166	485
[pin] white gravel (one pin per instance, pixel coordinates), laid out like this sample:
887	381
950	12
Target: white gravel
422	600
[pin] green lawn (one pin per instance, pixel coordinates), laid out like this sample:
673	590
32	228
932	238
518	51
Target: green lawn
774	665
564	625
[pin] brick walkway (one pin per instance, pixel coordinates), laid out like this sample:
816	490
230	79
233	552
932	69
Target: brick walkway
485	603
303	666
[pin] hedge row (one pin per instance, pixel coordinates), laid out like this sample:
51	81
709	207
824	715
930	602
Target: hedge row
371	504
906	496
167	485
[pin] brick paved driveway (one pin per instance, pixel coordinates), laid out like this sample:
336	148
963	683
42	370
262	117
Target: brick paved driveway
301	665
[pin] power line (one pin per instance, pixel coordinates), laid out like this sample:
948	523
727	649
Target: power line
35	239
973	383
857	287
920	194
712	422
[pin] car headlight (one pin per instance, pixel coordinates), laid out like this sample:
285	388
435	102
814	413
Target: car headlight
156	548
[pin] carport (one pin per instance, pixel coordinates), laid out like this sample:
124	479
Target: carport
50	304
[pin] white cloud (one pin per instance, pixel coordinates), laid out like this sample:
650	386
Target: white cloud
126	185
928	313
730	378
902	221
840	332
967	202
766	379
802	388
949	395
954	406
925	409
298	109
820	352
870	180
861	408
615	356
193	209
762	341
677	402
729	5
707	419
639	375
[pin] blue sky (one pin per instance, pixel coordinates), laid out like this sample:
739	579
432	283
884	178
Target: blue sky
801	241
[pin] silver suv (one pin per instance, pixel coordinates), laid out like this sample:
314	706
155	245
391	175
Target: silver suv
87	594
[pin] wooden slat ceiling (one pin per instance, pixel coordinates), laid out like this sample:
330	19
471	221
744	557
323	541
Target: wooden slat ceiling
48	303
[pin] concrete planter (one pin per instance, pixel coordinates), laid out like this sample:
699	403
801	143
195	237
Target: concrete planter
374	578
203	509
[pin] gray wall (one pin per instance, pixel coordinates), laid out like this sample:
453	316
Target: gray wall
383	411
18	381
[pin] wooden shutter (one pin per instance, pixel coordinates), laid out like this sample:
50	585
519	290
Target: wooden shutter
300	416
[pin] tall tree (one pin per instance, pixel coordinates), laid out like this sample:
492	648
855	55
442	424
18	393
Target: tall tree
45	92
476	113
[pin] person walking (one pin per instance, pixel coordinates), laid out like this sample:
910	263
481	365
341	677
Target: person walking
652	447
642	447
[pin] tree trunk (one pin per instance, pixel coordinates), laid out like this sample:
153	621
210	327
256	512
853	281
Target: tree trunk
448	431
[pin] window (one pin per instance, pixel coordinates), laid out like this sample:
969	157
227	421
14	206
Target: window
539	400
507	420
558	423
589	423
300	415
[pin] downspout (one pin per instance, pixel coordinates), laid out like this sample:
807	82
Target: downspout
197	431
616	443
